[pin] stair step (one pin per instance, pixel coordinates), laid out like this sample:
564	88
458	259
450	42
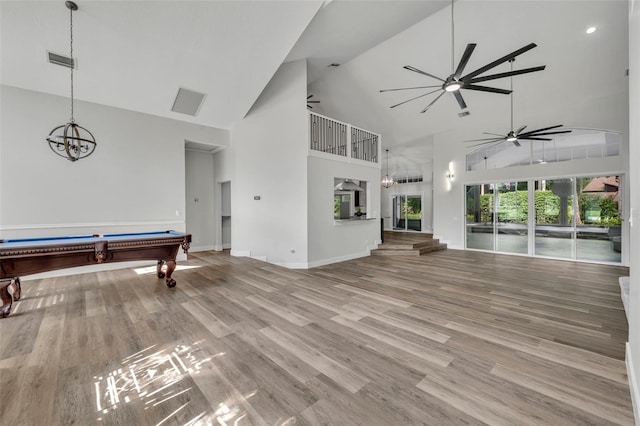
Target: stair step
438	247
415	252
378	252
407	244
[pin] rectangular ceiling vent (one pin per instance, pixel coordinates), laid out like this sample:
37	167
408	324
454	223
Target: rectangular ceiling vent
188	102
62	60
463	114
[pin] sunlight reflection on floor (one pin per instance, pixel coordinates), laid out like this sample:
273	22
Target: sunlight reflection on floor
153	377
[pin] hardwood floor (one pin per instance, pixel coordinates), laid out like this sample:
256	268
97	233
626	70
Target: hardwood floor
456	337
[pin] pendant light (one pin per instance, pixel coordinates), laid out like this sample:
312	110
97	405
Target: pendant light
387	180
71	140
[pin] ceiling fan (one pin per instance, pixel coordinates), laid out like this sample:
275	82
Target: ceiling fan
518	135
457	81
311	102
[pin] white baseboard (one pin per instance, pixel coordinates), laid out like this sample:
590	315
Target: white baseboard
329	261
633	385
292	265
201	248
240	253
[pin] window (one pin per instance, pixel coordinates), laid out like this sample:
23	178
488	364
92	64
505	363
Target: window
569	218
579	144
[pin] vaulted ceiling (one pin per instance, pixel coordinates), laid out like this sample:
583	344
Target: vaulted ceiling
582	70
135	55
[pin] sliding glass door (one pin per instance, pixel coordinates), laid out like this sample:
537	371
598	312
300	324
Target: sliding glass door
480	208
407	212
598	222
497	217
569	218
512	208
555	229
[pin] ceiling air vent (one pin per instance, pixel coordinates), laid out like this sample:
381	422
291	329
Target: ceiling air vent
62	60
188	102
463	114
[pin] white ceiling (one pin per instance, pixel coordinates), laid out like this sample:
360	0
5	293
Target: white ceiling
135	55
580	68
345	29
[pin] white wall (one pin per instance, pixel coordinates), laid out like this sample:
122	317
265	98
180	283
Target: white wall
448	222
269	152
633	347
334	241
133	182
200	219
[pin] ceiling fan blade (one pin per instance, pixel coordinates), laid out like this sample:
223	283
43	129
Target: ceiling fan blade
410	68
543	129
433	102
547	133
313	102
310	96
309	106
488	142
516	143
412	99
463	61
517	132
407	88
494	134
534	139
460	99
506	74
499	61
486	89
485	139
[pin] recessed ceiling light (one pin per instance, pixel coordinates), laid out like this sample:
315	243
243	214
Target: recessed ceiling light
591	30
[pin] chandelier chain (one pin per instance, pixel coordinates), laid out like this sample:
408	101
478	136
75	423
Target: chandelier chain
73	63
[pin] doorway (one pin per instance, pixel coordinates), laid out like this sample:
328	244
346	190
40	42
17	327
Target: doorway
225	208
407	212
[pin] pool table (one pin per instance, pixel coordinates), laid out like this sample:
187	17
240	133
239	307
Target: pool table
19	257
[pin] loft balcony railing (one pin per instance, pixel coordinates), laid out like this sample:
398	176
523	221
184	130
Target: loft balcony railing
334	137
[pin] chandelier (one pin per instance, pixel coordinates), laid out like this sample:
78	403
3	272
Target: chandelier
71	140
387	180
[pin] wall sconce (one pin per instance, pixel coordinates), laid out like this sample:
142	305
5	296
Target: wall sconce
450	176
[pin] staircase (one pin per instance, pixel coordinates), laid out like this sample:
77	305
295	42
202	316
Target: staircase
407	244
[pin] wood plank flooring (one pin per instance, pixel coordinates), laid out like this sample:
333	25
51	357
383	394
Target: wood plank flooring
453	338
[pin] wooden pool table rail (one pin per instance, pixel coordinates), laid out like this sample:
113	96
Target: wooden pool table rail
31	258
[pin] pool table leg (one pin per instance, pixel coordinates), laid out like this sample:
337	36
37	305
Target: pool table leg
171	266
6	297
